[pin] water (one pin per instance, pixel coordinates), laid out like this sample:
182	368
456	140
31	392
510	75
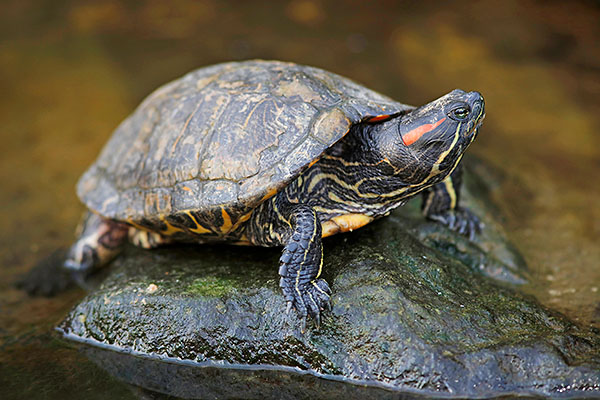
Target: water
70	71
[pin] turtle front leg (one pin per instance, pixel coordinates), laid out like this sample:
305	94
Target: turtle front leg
301	264
441	204
99	241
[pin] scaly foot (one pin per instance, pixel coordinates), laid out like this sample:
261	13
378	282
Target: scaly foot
460	220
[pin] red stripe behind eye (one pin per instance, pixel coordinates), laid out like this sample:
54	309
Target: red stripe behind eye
415	134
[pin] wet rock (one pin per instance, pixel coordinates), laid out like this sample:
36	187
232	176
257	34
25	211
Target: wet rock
417	311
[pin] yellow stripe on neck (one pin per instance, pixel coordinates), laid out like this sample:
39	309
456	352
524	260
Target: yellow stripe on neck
451	192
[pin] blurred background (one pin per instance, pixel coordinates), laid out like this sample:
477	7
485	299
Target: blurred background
71	70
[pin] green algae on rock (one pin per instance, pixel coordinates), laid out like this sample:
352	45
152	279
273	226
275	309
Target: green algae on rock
415	312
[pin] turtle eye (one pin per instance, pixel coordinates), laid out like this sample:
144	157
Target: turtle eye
460	113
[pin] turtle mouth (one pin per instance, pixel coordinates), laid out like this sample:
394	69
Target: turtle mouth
477	124
480	121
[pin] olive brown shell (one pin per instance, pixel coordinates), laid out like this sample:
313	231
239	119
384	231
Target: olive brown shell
227	136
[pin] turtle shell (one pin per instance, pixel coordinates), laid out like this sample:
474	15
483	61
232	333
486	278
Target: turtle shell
223	139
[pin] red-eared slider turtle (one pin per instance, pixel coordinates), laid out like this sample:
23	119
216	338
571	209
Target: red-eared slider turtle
269	153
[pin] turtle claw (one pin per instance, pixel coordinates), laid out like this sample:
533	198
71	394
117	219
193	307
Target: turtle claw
310	300
316	297
460	220
47	277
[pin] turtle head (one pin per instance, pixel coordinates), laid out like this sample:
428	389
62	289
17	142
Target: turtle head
425	144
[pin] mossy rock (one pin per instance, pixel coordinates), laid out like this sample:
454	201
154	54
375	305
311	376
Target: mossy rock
417	311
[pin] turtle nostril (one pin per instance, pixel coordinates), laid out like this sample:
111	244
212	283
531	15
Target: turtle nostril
477	104
475	96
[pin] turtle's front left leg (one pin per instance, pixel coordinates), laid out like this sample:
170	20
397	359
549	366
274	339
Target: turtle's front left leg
441	204
301	264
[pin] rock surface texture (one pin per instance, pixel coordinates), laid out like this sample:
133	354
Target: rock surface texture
417	312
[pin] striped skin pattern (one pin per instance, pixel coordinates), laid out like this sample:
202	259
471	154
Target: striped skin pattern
99	241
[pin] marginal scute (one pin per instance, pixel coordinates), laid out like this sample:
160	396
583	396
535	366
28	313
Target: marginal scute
331	126
223	139
185	194
301	156
157	201
220	192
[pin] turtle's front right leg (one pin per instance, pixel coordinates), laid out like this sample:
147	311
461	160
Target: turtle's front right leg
301	264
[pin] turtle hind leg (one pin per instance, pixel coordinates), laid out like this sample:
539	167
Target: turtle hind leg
100	240
146	239
47	277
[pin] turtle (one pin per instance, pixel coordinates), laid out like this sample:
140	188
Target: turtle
271	153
